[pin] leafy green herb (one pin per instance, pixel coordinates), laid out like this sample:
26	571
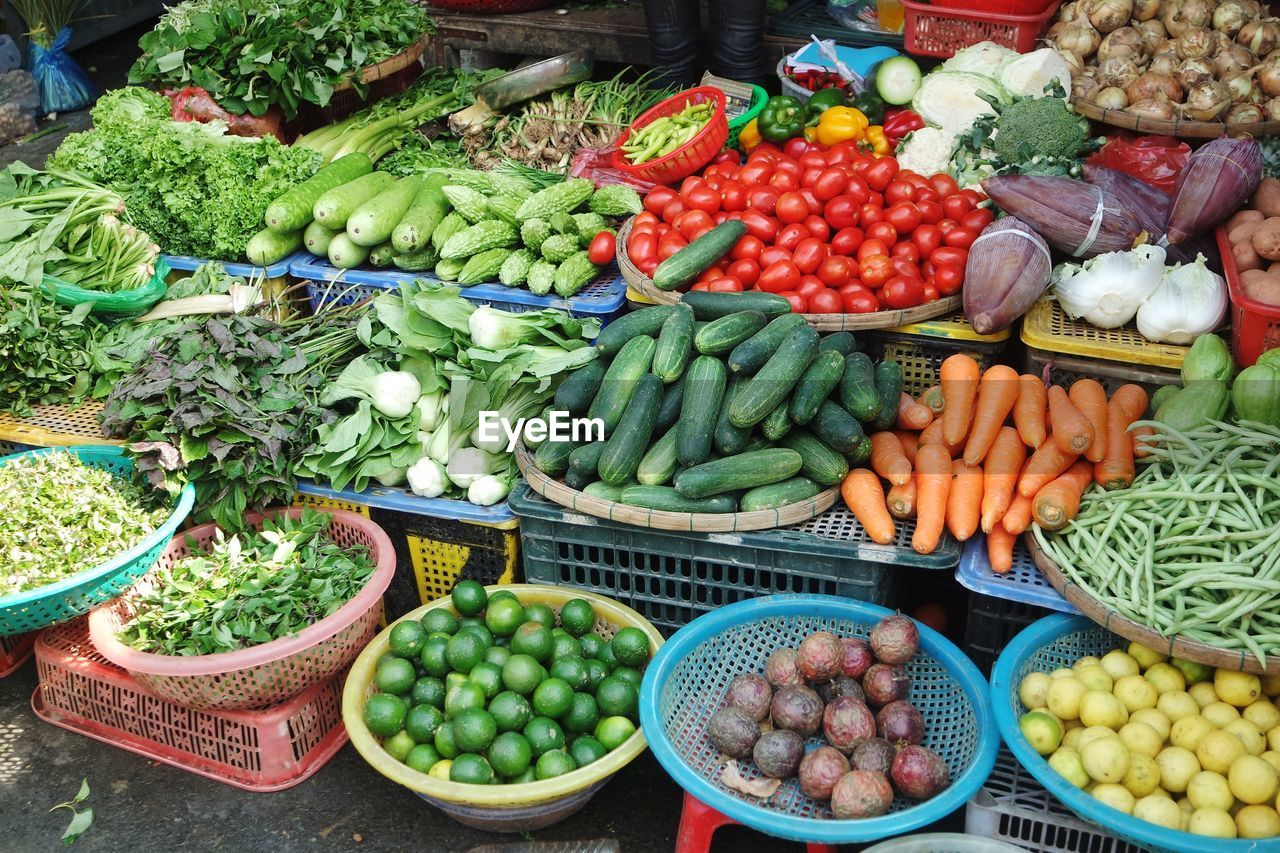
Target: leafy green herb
248	589
46	350
80	820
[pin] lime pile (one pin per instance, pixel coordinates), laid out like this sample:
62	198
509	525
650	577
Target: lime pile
500	694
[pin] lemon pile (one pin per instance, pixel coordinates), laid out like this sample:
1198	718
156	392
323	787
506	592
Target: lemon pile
1172	742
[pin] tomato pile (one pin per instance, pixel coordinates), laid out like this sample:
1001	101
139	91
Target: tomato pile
834	230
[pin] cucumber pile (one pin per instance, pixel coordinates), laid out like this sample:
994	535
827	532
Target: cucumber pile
724	402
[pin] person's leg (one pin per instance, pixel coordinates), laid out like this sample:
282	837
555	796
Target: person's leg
737	39
673	40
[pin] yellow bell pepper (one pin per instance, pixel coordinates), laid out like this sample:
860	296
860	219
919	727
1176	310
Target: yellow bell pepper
811	133
875	140
841	124
749	136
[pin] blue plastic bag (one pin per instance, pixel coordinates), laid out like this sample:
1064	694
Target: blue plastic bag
62	83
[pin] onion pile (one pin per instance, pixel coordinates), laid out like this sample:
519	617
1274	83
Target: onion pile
1203	60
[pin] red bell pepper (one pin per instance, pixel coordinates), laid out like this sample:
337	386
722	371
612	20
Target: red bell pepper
898	123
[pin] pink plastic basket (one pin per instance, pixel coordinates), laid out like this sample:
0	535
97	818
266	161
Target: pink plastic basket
14	651
691	156
263	675
266	750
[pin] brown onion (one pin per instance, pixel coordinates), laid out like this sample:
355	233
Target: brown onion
1069	12
1269	77
1272	109
1230	16
1080	38
1152	34
1145	10
1051	35
1166	64
1198	13
1241	87
1232	61
1154	87
1157	108
1221	42
1110	98
1260	37
1207	101
1124	43
1084	88
1194	44
1119	73
1243	114
1108	15
1194	71
1075	63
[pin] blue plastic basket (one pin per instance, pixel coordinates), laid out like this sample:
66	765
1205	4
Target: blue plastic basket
1059	641
403	500
686	681
80	593
1023	583
277	270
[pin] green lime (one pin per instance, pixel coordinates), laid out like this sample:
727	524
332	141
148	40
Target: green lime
630	646
616	697
613	731
422	721
469	597
501	642
440	635
439	621
533	639
586	749
596	673
497	654
572	669
440	769
510	710
453	679
577	617
552	698
398	745
583	714
564	646
422	757
471	622
384	714
488	676
510	754
480	631
605	656
395	676
521	673
428	690
408	638
503	616
384	657
629	674
474	730
464	651
591	644
501	594
433	656
526	776
464	697
540	613
544	734
471	769
445	743
555	762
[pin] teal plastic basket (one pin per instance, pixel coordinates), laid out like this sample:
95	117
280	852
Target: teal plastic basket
83	591
686	681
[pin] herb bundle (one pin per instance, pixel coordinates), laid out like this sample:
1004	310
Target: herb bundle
46	350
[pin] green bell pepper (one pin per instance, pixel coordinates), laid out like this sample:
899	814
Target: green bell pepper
871	105
782	118
822	100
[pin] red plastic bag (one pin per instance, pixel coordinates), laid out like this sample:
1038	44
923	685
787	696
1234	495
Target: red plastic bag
195	104
597	164
1156	160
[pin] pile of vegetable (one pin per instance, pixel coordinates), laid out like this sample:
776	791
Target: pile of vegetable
63	516
246	589
1210	389
851	695
1254	234
1172	742
665	135
46	350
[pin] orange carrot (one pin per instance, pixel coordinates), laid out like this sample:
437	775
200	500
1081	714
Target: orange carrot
1028	412
996	395
901	500
999	476
1043	467
1000	549
964	500
1090	398
932	400
933	482
887	458
912	415
865	498
909	441
1139	436
1116	469
959	375
1017	517
1057	503
932	434
1071	429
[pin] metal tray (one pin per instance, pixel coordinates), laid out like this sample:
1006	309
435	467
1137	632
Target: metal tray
533	80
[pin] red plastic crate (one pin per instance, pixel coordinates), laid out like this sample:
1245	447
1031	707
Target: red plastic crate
1255	326
691	156
935	30
1000	7
266	750
14	651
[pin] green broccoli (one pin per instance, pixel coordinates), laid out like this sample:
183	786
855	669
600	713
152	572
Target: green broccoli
1040	127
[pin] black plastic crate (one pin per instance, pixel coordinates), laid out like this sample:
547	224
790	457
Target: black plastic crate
992	623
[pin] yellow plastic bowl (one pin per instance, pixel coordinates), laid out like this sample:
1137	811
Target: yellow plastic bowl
611	617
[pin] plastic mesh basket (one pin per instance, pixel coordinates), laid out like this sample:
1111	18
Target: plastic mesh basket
14	652
76	595
940	31
270	673
1046	326
1255	326
1066	369
687	679
55	425
689	157
1023	583
922	347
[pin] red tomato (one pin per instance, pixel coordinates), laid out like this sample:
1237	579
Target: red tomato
812	159
702	285
689	183
796	300
733	196
790	236
948	278
860	301
926	270
711	273
762	227
648	265
771	255
826	301
946	225
725	284
646	218
746	247
943	184
808	286
703	229
792	208
795	148
779	276
905	266
744	270
903	292
871	247
810	176
858	190
841	212
641	247
930	292
657	199
729	156
690	221
960	238
703	197
869	215
916	180
929	196
875	270
756	173
882	231
817	227
899	190
670	244
839	154
906	250
880	173
930	211
674	208
815	206
714	182
949	255
956	206
835	270
788	165
978	218
721	217
903	216
602	248
974	196
829	183
808	254
846	241
763	199
784	181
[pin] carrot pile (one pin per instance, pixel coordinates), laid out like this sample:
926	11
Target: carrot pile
994	451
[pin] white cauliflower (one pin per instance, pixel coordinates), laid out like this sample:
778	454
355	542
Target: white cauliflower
926	151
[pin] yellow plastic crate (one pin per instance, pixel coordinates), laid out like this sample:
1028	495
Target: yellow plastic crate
922	347
1047	327
57	425
953	327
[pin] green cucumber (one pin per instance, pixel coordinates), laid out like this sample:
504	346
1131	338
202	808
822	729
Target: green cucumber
703	392
773	384
728	438
586	459
631	363
552	457
858	393
534	443
860	454
820	378
713	306
373	221
577	391
751	355
842	342
888	381
429	207
293	210
820	463
334	208
839	429
721	336
627	443
380	256
646	321
777	424
699	256
743	471
604	491
675	344
667	499
344	253
659	464
579	480
316	238
778	494
672	400
268	247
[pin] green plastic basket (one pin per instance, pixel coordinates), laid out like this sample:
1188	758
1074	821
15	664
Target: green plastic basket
80	593
758	99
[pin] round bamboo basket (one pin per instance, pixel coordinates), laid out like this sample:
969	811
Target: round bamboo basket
641	283
1191	650
1178	127
684	522
385	68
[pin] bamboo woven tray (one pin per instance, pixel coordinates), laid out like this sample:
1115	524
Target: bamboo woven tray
684	522
386	67
642	284
1173	646
1177	127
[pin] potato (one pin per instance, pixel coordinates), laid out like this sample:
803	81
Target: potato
1262	286
1241	217
1267	197
1242	233
1266	239
1246	258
